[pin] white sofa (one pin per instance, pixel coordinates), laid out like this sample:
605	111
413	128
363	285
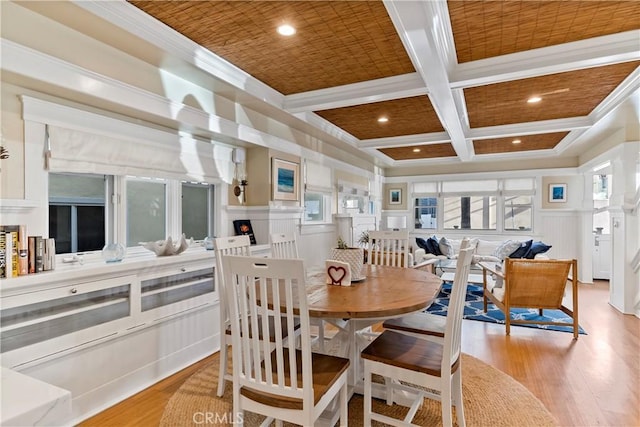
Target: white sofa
485	250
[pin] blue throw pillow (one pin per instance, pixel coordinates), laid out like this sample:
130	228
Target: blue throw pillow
422	244
537	248
522	250
428	245
434	245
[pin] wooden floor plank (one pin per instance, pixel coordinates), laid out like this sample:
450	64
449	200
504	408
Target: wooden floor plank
592	381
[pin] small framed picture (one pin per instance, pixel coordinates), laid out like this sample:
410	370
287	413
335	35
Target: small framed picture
395	196
557	193
285	181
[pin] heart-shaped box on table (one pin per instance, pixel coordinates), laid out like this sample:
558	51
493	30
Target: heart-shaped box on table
337	273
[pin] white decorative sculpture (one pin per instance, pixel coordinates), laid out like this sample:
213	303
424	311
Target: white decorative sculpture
167	247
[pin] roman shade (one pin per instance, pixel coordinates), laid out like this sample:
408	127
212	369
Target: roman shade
162	155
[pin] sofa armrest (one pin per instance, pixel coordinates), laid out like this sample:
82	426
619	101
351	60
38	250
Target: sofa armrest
418	256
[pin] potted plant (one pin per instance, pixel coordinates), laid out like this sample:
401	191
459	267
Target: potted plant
363	240
353	256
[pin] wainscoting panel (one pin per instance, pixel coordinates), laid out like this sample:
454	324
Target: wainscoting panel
266	220
561	230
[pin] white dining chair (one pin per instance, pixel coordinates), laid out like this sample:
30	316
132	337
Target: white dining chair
285	245
389	247
430	326
284	384
233	245
413	364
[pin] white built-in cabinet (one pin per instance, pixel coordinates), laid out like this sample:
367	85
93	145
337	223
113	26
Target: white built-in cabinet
105	331
351	227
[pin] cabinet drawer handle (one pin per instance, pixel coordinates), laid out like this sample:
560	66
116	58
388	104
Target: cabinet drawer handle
74	290
183	269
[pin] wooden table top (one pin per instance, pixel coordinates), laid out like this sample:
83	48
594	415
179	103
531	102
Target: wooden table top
386	292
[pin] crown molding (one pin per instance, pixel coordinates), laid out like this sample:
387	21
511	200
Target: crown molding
135	21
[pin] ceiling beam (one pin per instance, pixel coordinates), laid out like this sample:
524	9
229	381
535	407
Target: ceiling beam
420	26
405	141
594	52
530	128
385	89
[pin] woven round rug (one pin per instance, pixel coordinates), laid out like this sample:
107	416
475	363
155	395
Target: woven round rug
491	398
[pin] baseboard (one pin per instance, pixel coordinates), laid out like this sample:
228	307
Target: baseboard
126	386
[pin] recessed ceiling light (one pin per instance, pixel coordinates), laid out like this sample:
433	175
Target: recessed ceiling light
383	119
416	150
516	141
286	30
534	99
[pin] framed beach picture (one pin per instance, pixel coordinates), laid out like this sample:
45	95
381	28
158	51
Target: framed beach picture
557	193
395	196
285	180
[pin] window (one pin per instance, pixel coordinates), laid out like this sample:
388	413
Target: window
146	210
77	211
489	204
470	212
426	212
316	207
197	210
601	195
518	212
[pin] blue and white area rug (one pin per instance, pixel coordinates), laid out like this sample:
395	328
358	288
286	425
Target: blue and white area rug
473	310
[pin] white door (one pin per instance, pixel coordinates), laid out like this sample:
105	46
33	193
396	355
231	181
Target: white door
602	256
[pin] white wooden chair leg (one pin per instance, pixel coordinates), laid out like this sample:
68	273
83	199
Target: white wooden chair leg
321	336
445	395
344	406
223	369
458	398
367	393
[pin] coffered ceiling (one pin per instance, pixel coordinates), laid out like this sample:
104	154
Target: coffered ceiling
452	78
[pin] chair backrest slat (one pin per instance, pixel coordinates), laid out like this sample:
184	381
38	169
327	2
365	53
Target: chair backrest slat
455	311
259	288
284	245
389	247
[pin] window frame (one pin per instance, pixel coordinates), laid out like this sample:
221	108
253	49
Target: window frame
500	195
115	206
326	196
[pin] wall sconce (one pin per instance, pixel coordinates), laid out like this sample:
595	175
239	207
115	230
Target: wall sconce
238	156
239	191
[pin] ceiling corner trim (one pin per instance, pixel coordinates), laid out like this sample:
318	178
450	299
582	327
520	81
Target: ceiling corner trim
142	25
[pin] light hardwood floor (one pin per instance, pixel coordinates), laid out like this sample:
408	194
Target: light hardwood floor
594	381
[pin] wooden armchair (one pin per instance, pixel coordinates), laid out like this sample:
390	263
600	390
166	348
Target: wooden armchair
535	283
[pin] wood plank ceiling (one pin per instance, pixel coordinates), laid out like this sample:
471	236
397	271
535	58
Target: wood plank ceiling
486	60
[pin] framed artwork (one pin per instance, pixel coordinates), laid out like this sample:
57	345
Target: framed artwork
395	196
285	180
557	193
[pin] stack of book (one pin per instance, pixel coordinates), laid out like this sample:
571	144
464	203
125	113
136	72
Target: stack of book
21	254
